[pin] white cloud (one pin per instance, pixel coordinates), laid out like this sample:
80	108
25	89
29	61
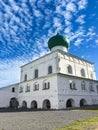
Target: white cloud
71	7
80	19
82	4
68	15
80	32
68	30
57	22
37	13
96	41
78	42
90	33
10	71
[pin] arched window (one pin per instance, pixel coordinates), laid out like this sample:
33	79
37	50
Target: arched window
83	102
35	86
69	68
21	89
91	86
27	88
25	77
83	85
24	104
83	72
70	103
49	69
46	104
36	73
46	85
34	104
72	85
14	103
91	76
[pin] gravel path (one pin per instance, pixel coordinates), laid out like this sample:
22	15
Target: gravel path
41	120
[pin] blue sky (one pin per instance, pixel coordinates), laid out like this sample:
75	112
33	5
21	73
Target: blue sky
27	25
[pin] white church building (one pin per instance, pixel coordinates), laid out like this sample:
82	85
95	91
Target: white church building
57	80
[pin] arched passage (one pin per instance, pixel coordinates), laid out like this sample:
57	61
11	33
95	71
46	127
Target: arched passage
34	104
70	103
46	104
24	104
83	102
14	103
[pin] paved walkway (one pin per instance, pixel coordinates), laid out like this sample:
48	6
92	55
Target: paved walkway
41	120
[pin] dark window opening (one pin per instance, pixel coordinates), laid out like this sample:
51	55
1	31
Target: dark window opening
46	85
69	69
83	72
49	69
13	90
25	77
36	73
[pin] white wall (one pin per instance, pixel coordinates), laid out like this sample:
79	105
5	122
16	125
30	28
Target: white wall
65	93
41	64
6	94
77	64
40	95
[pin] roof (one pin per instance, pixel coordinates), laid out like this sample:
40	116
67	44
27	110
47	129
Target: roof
58	40
60	52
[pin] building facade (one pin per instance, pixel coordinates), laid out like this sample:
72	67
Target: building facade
55	81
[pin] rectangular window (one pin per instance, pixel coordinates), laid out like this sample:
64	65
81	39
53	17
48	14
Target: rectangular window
27	88
13	90
46	86
91	87
73	86
36	87
21	90
25	77
97	88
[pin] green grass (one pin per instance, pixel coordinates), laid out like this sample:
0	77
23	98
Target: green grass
88	124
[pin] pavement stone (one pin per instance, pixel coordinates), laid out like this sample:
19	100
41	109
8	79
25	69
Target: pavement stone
41	120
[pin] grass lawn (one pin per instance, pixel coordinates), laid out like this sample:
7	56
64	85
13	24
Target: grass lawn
88	124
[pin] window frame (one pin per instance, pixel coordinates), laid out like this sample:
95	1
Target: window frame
13	89
50	69
83	85
36	73
69	69
21	89
27	88
46	85
25	77
36	86
72	85
83	72
91	88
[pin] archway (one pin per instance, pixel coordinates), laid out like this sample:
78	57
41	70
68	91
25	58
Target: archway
83	102
70	103
14	103
46	104
34	104
24	104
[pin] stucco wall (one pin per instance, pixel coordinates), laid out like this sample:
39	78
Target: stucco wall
6	94
65	92
40	95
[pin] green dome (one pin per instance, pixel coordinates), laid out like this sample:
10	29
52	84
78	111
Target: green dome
58	40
